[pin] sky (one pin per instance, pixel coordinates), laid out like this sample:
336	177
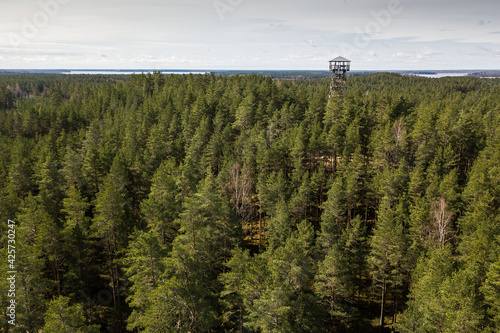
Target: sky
249	34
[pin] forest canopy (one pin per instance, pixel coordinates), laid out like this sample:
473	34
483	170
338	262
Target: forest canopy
204	203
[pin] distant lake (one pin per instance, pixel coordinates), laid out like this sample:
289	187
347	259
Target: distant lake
438	75
125	72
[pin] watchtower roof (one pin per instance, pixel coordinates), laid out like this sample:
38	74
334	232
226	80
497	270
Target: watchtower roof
340	59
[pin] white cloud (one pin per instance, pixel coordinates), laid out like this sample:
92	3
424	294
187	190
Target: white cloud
271	34
424	53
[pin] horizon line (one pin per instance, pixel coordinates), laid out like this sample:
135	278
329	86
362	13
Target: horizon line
239	70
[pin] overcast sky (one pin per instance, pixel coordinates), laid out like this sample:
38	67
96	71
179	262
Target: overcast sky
249	34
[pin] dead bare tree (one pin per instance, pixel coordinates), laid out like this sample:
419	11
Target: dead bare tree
398	130
399	133
441	219
241	186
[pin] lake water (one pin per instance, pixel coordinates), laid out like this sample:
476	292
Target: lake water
125	72
438	75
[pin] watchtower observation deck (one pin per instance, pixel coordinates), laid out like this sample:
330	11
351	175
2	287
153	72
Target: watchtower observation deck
339	67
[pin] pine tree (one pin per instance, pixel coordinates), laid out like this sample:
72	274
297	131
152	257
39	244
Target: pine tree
491	291
235	280
31	284
93	165
187	298
333	219
6	98
340	275
387	257
425	312
354	182
112	221
334	286
145	269
442	298
163	205
284	301
301	199
63	317
76	233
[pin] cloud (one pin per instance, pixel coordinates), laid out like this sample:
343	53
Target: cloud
486	51
481	22
274	34
424	53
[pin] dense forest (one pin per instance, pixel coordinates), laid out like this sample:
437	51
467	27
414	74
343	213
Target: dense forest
205	203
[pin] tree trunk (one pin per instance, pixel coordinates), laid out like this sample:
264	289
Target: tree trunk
395	309
334	162
251	228
152	266
58	278
240	319
382	307
112	272
260	221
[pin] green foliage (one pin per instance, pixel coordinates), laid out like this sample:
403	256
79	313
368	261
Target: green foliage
339	277
6	98
282	301
243	203
491	291
443	299
161	208
234	281
62	317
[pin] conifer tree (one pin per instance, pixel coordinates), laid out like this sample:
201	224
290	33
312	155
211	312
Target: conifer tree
112	222
187	298
284	302
163	205
235	280
387	258
333	219
63	317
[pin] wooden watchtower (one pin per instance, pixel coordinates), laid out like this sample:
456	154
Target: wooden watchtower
339	66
